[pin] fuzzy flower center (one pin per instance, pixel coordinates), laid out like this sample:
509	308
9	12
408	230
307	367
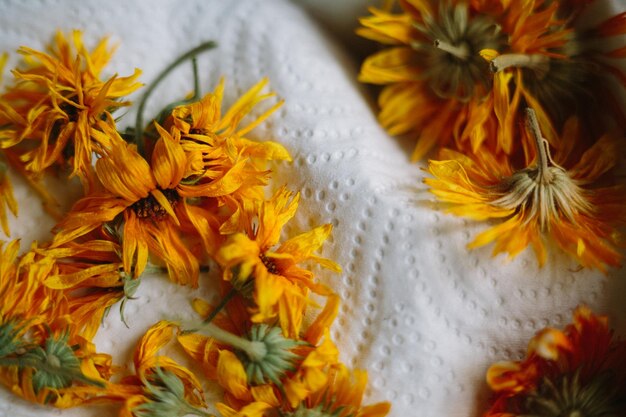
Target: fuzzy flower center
545	191
149	207
454	69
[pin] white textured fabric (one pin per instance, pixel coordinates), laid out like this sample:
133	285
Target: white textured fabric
423	315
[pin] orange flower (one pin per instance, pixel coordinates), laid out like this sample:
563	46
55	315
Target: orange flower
217	149
342	395
577	371
165	387
57	100
437	86
256	256
149	201
541	200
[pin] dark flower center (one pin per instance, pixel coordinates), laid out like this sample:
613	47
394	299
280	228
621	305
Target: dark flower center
269	264
453	67
570	397
149	207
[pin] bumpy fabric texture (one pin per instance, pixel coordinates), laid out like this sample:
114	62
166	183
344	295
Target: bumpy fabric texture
423	315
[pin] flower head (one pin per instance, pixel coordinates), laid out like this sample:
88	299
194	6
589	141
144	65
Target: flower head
256	256
56	102
437	83
543	199
146	200
578	371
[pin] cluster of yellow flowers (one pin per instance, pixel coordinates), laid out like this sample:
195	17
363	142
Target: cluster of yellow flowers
186	190
462	76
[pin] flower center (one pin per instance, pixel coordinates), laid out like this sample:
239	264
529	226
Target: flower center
546	191
149	207
568	397
269	264
454	69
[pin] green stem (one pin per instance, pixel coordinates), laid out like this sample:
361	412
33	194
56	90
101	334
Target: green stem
142	103
256	351
229	295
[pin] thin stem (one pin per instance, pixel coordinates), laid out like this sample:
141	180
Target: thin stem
229	295
461	51
142	103
542	154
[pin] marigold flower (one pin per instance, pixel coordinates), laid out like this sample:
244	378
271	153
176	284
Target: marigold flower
89	273
256	256
160	386
6	191
245	359
576	371
57	100
149	198
217	148
437	85
541	200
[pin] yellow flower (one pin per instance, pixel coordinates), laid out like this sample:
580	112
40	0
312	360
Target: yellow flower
246	360
148	198
6	191
257	256
541	200
89	274
57	100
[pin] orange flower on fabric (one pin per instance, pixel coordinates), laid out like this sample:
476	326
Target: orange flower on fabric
576	371
541	200
437	85
164	387
57	100
89	273
148	200
222	156
256	256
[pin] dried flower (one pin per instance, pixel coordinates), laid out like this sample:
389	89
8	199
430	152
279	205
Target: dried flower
543	199
56	102
578	371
